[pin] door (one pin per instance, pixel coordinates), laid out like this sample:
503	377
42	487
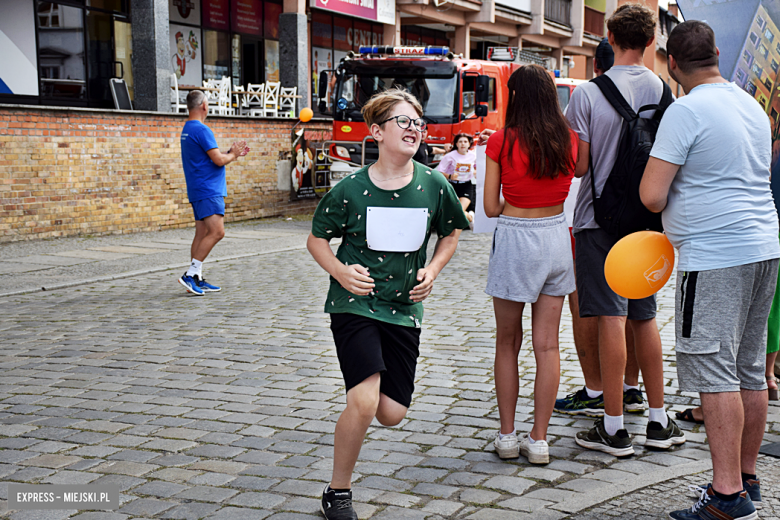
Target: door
253	61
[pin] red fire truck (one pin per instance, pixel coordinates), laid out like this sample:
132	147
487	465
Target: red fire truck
458	96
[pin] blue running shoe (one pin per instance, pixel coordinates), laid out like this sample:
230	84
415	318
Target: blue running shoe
710	507
578	403
753	488
191	285
205	286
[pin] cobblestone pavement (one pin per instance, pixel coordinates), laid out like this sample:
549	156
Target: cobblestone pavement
224	406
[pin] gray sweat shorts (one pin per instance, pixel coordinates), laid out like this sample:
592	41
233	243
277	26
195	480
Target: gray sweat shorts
529	257
720	327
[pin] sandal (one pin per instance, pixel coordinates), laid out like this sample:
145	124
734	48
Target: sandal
687	415
774	393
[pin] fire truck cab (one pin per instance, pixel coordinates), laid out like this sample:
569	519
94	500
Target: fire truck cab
457	95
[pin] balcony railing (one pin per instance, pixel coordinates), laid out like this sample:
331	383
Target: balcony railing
594	22
558	11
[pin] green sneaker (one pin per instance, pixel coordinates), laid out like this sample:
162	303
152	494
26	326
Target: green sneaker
664	438
633	401
578	403
598	439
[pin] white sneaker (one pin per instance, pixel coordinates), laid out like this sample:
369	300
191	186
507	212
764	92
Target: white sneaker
507	448
536	453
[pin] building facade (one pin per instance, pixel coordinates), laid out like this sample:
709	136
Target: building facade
65	52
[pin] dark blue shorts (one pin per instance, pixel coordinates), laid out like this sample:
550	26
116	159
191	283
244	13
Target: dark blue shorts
207	207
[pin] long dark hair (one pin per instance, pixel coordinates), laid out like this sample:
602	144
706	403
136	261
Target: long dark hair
535	120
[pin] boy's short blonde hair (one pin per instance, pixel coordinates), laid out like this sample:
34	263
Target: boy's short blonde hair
381	105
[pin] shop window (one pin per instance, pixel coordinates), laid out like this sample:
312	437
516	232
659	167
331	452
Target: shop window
100	56
61	53
216	54
235	58
272	61
769	35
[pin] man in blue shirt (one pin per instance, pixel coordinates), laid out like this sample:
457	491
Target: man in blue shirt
204	171
709	174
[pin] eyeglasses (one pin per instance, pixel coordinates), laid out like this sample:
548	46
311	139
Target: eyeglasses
405	122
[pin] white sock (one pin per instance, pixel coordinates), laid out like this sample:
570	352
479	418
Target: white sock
613	424
626	387
659	415
195	268
530	439
593	393
501	436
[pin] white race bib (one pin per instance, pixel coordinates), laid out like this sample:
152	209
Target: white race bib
397	230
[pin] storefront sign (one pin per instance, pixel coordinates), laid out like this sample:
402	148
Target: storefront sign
382	11
246	16
185	11
215	14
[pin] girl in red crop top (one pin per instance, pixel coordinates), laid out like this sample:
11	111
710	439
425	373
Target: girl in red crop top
533	160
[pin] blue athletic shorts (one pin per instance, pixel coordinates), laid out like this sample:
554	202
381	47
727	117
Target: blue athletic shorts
207	207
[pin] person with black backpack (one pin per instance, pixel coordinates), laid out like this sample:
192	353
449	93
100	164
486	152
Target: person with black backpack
616	116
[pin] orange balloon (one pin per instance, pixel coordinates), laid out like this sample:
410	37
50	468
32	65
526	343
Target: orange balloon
639	264
306	115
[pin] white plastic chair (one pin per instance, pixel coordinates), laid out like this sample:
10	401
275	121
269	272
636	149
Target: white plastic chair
254	98
176	105
271	99
223	105
240	102
287	102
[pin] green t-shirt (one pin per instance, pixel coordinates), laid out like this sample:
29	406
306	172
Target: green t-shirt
343	212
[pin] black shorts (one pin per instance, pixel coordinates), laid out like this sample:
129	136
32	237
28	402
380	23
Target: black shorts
463	189
366	346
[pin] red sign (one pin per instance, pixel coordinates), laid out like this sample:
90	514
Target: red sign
321	29
359	8
342	33
215	14
272	12
247	16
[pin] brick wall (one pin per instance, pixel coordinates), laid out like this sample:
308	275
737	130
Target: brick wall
66	172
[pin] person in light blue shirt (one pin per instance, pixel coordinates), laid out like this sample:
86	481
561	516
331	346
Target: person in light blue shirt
709	174
204	171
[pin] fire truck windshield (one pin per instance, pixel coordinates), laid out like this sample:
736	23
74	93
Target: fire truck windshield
436	92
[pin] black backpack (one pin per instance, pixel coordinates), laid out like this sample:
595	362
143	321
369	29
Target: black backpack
619	211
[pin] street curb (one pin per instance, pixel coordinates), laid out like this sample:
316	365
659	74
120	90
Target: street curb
594	498
130	274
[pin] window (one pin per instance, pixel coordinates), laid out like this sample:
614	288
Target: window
769	35
216	54
775	66
768	84
774	115
760	22
751	88
61	51
753	38
563	96
748	57
492	95
757	70
762	101
740	75
763	51
469	95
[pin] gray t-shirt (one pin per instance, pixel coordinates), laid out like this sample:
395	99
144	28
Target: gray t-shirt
596	122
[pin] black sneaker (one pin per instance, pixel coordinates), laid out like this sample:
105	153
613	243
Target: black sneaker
337	506
664	438
633	401
597	438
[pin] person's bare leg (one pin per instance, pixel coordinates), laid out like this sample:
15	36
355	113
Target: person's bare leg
724	420
586	342
648	348
545	320
201	231
389	412
466	202
631	376
509	339
755	404
362	404
612	355
770	369
215	231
